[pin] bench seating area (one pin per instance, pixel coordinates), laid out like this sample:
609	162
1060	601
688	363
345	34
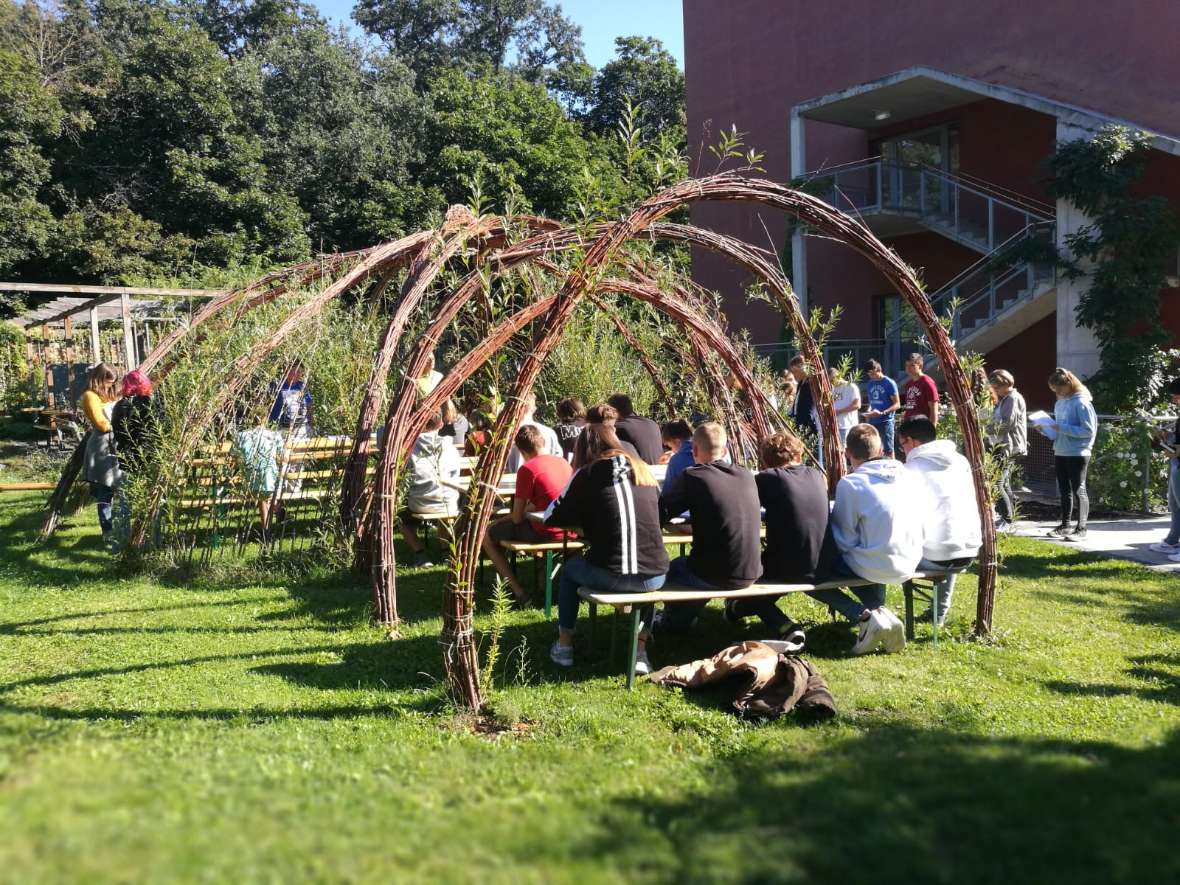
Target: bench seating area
633	602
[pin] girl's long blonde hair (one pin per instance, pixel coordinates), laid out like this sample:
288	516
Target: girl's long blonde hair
1065	378
598	441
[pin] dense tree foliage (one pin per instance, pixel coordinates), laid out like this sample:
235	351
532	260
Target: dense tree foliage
184	138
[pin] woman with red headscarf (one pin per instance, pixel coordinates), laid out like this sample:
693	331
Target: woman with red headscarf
134	421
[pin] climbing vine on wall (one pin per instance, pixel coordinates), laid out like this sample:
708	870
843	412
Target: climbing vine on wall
1132	244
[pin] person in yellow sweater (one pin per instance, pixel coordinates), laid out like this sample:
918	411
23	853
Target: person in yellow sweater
100	467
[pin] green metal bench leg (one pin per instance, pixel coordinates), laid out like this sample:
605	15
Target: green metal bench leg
636	623
548	584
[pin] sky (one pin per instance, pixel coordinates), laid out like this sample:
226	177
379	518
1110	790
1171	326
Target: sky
601	21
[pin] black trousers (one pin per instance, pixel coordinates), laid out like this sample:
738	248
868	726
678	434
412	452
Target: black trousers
1071	485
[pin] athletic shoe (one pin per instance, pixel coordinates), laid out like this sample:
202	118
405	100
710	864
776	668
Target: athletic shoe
1175	557
872	634
1076	535
1165	548
642	663
893	639
1002	525
737	620
1062	531
562	655
792	634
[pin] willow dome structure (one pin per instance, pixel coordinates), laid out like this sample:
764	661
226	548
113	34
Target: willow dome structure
580	264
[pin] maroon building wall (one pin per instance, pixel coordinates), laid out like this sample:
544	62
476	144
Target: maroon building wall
1030	357
748	62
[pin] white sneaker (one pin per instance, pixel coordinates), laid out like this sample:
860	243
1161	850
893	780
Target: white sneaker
642	663
893	640
872	630
1165	548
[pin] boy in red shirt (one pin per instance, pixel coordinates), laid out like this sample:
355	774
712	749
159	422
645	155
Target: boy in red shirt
539	480
920	395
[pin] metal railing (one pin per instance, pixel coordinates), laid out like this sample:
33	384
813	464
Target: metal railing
962	208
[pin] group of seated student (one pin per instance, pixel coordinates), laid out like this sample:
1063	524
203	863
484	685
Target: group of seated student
889	521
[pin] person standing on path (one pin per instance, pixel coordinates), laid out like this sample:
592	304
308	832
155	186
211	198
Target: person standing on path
1076	427
921	393
845	401
1008	435
883	404
1167	442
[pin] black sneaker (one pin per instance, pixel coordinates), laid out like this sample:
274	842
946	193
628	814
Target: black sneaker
1077	535
1062	531
792	634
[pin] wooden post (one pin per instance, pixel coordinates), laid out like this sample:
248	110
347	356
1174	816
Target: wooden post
129	360
68	343
95	346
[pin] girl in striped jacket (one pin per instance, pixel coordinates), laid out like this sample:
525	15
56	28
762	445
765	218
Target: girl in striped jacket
613	502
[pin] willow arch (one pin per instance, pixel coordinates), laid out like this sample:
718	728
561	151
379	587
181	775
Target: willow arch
427	252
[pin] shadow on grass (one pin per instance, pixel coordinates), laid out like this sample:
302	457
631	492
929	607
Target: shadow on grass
1165	686
904	804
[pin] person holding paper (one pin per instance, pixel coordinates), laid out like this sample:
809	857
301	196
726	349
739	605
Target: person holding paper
1168	442
1073	431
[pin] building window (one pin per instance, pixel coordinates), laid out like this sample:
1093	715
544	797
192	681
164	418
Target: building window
937	147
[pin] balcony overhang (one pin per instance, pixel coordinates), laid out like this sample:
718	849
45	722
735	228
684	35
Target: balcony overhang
921	91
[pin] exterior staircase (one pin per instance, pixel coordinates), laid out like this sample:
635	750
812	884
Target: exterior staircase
993	298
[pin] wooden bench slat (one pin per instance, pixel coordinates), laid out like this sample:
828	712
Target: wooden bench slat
668	593
541	546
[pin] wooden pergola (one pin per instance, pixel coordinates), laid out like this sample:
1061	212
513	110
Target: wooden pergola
99	303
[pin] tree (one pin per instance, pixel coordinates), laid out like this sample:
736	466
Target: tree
237	26
340	131
30	116
512	136
646	74
428	35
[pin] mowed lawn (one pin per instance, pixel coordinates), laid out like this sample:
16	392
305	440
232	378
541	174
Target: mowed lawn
242	731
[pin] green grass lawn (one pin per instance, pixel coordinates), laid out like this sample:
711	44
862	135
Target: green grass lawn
164	730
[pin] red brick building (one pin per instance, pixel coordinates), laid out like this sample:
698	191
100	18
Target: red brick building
932	121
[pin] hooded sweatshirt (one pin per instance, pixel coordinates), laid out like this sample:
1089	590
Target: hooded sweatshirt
433	459
952	520
877	520
1077	425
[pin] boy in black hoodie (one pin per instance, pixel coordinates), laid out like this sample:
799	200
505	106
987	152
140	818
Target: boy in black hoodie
722	501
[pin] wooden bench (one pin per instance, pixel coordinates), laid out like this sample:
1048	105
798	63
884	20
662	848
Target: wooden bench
545	550
634	602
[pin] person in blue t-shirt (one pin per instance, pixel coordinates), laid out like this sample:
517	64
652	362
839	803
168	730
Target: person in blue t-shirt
677	437
883	400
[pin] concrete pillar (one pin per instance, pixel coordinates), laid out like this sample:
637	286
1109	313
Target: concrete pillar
1077	348
798	242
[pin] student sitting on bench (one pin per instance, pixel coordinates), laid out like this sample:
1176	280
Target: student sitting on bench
953	534
722	501
607	415
433	460
539	480
877	524
677	437
795	497
613	501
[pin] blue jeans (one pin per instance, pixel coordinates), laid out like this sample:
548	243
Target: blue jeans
885	428
103	496
872	596
1174	502
680	615
943	587
580	572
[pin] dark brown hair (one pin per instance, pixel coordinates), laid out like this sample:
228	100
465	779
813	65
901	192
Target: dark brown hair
103	380
571	410
602	414
529	440
598	441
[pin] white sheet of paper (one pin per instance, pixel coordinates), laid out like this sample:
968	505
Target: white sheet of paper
1043	420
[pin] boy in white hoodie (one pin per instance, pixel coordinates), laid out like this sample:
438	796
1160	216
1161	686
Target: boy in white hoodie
953	534
877	524
433	460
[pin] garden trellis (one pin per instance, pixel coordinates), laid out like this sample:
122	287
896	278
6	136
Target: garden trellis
566	266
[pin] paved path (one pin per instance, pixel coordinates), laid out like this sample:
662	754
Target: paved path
1120	538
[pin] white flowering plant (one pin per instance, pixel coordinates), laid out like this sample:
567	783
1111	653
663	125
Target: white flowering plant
1122	462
